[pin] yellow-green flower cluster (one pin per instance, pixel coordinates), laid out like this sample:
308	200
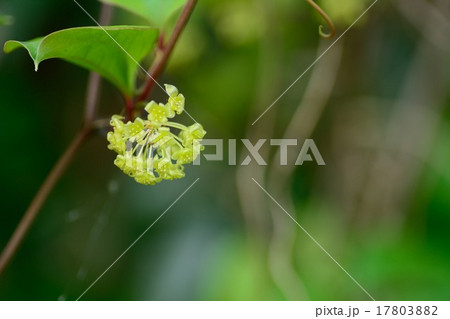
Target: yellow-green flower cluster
148	150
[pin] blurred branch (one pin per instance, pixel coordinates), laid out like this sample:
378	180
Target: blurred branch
302	125
159	64
252	202
58	170
315	98
411	129
94	82
269	73
428	19
252	199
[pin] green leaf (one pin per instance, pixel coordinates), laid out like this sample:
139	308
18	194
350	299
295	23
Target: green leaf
155	11
107	53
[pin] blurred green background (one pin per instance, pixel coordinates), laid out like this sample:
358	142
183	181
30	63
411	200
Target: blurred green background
377	106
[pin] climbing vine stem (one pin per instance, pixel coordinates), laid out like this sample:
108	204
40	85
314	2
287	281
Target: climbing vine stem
332	29
92	95
167	48
45	189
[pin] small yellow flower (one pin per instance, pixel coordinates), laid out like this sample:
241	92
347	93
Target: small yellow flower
176	100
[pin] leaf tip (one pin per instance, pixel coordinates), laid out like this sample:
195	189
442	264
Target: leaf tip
6	47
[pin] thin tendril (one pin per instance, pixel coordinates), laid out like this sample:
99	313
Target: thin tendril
326	18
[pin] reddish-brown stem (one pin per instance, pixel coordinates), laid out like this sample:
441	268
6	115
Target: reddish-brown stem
161	41
161	60
129	105
62	164
32	211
